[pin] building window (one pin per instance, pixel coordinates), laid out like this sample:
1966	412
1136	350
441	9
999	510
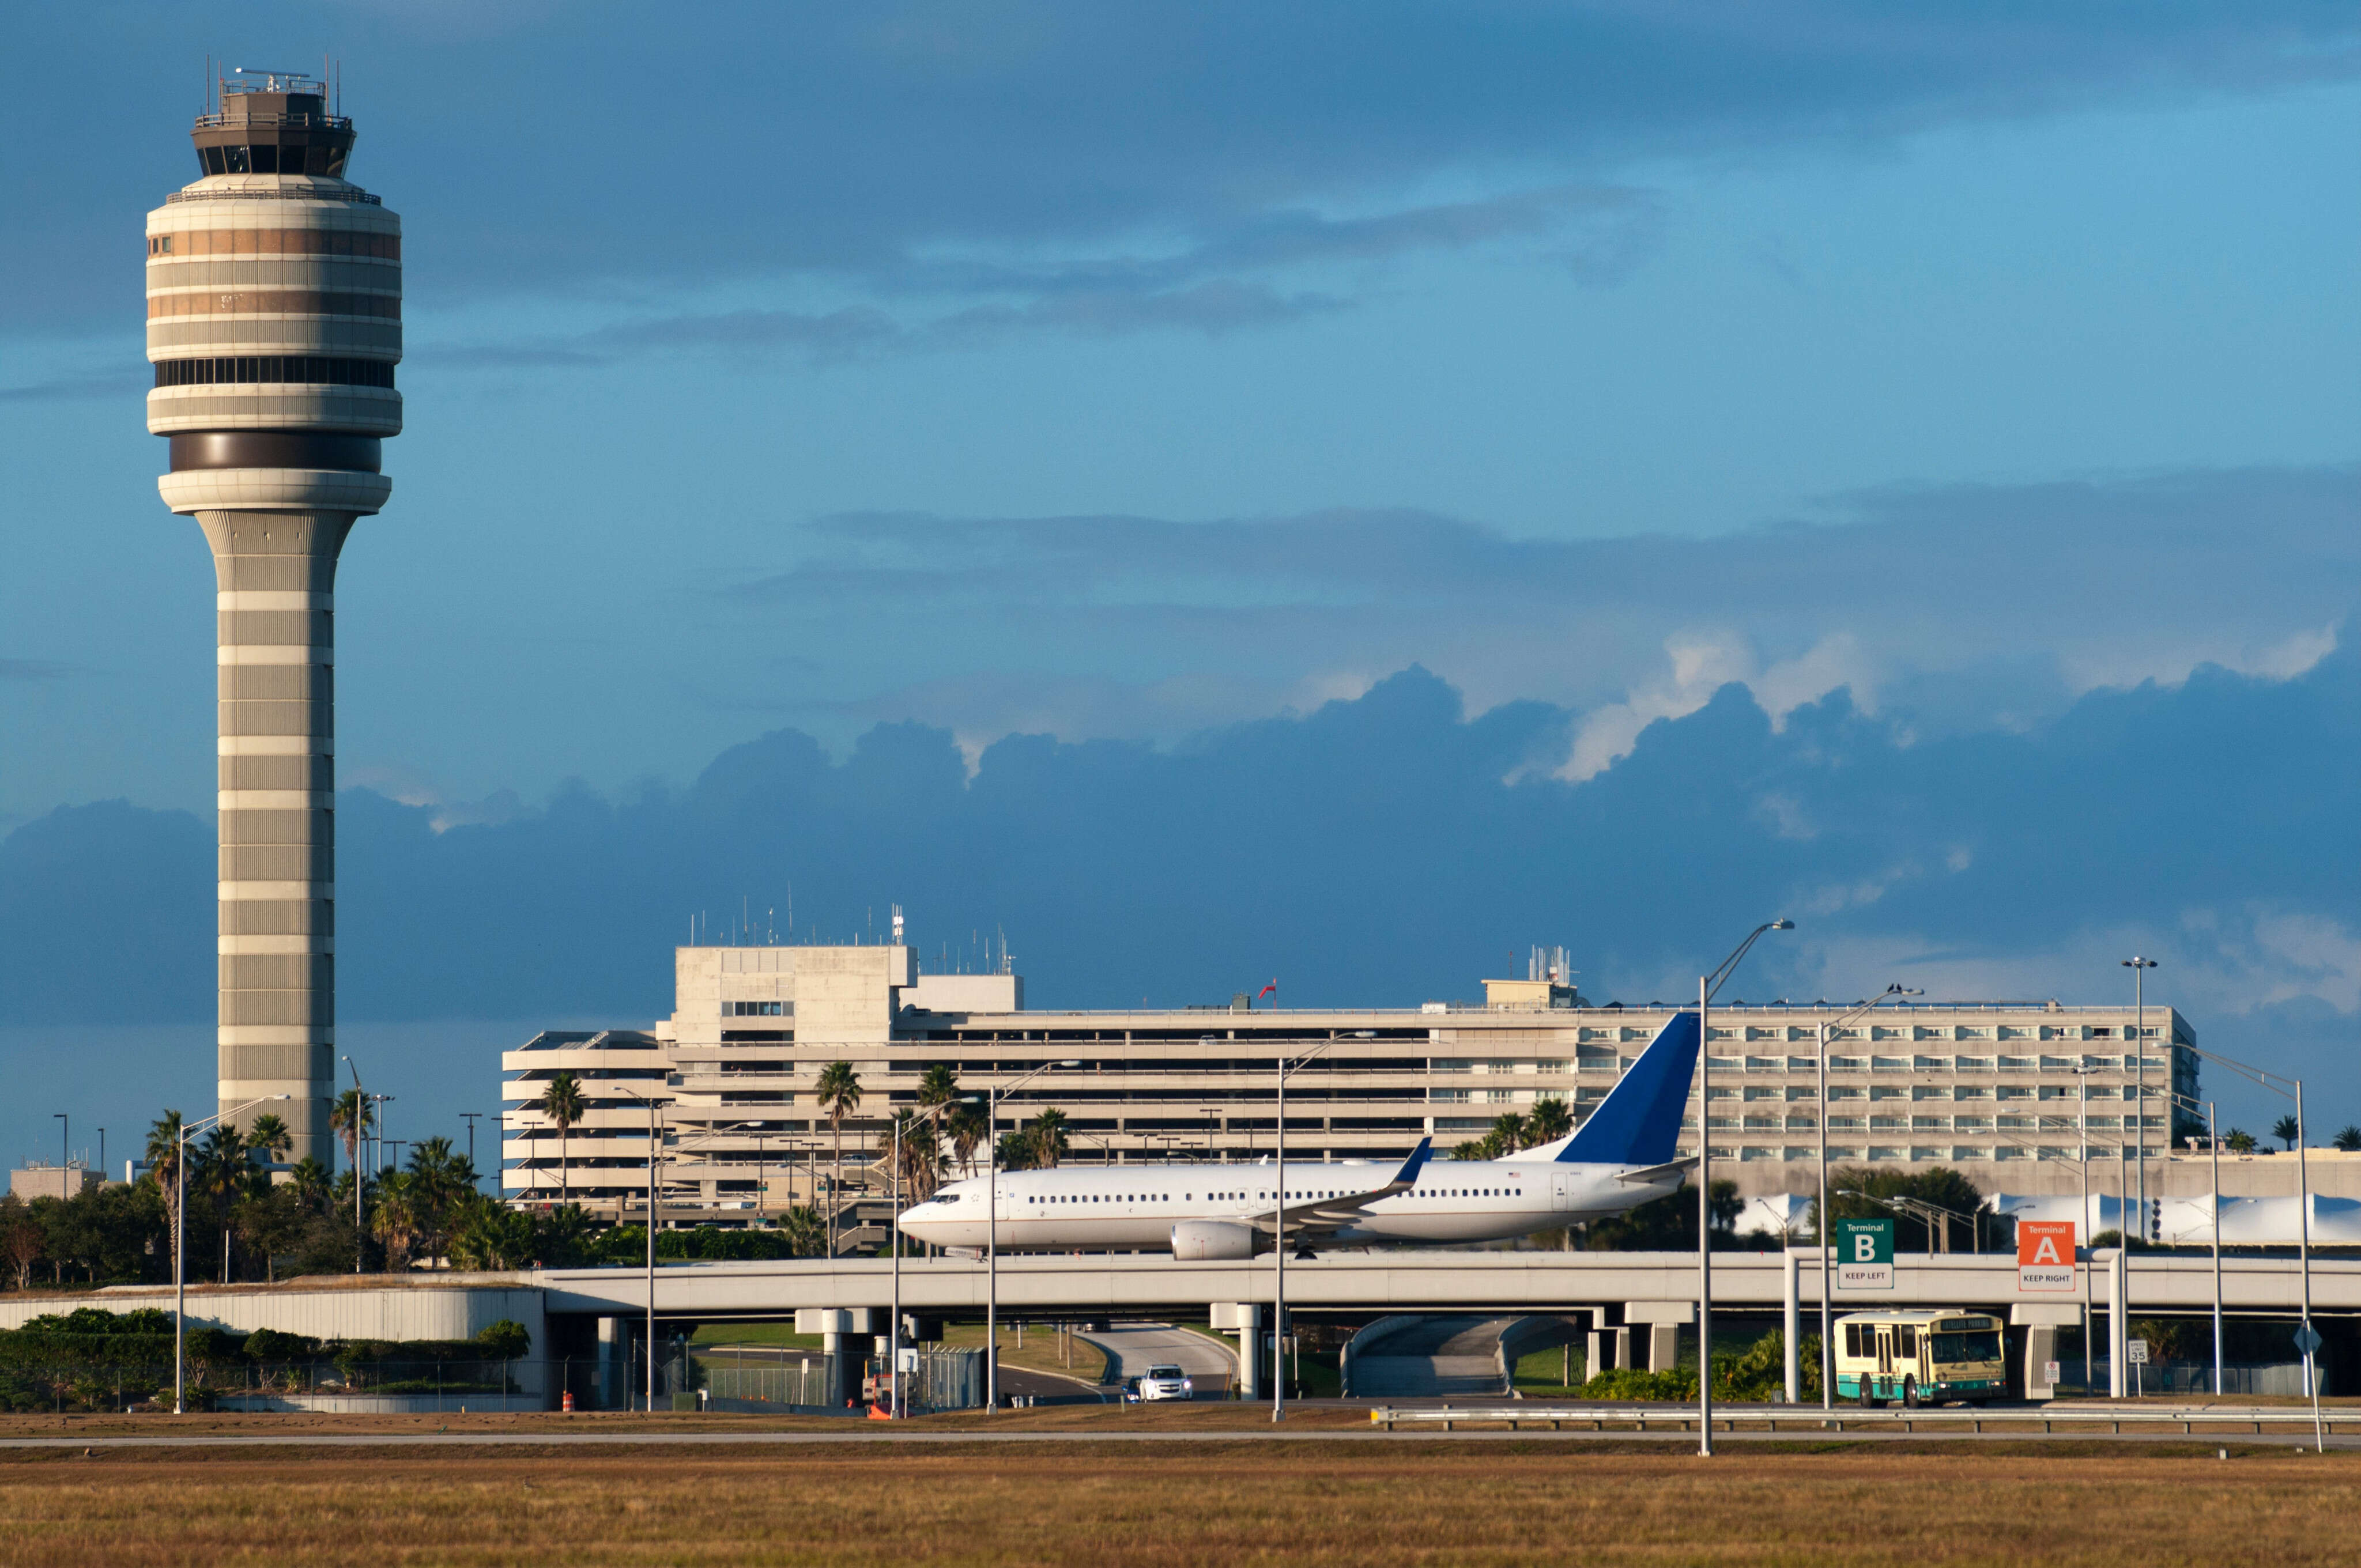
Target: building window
753	1010
274	302
308	369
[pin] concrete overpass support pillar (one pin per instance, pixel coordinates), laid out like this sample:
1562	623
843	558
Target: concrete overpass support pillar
2040	1350
1245	1319
2041	1321
1663	1321
2118	1324
614	1372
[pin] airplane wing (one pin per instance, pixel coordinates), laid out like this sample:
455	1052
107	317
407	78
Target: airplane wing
1335	1213
1654	1173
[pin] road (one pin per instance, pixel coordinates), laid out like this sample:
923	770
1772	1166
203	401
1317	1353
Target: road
1133	1347
1432	1356
878	1432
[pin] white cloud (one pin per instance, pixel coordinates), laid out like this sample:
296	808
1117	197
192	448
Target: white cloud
1702	664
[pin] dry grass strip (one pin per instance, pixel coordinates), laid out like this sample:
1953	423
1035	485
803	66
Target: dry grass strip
1053	1507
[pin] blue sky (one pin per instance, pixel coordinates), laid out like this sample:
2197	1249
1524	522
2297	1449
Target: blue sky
1130	376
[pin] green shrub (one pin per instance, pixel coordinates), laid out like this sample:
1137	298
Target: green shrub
507	1340
272	1344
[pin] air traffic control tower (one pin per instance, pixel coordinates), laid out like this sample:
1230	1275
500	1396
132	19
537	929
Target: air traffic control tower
274	324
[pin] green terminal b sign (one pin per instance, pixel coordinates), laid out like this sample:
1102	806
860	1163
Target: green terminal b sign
1864	1254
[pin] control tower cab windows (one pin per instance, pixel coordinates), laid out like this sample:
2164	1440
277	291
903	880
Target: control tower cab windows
276	242
269	158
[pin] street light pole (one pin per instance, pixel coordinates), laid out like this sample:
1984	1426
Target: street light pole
2177	1099
897	1404
361	1131
1706	985
992	1225
1827	1034
1279	1252
2304	1247
181	1242
2278	1084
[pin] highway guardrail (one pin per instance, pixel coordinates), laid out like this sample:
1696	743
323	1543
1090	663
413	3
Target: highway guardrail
2188	1419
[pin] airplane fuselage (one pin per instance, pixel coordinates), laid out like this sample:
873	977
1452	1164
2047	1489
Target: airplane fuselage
1137	1206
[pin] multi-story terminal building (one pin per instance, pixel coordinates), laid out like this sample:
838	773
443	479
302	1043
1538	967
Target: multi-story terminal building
2009	1093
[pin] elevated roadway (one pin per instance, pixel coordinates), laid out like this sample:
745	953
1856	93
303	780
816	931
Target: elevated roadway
1478	1283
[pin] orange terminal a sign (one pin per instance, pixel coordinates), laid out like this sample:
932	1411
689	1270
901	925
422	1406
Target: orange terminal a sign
2045	1254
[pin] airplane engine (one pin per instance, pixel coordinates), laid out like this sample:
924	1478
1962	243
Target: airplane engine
1212	1240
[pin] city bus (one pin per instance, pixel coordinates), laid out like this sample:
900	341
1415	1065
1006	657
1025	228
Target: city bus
1925	1355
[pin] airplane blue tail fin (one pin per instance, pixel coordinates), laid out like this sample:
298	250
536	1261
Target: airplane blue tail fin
1640	1120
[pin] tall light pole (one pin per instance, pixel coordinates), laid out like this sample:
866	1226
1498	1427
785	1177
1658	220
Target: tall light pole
360	1136
2084	1228
1828	1030
655	1149
181	1241
2279	1083
898	1405
2139	967
469	1117
1706	985
1279	1252
992	1225
65	1149
2214	1150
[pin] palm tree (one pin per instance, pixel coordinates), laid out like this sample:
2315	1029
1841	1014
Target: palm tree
2286	1130
270	1137
563	1103
1551	1120
311	1181
223	1170
805	1231
352	1118
839	1095
395	1220
922	1155
1046	1132
2348	1138
164	1167
965	1124
1508	1135
2239	1141
939	1086
443	1178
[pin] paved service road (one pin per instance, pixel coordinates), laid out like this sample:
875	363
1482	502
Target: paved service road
1132	1348
1430	1356
897	1433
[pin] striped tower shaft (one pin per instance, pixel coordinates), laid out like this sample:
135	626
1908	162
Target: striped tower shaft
274	327
276	574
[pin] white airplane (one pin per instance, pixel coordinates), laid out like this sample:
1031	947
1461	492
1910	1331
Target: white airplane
1619	1157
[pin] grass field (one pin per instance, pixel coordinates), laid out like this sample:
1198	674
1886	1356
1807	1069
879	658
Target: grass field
1039	1352
1086	1361
1049	1506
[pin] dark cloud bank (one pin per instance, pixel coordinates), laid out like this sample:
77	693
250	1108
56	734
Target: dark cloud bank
1372	850
858	143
